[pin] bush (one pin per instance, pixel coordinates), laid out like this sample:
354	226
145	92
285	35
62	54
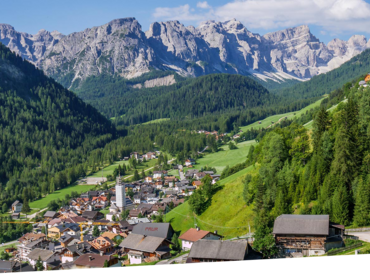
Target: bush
349	242
365	251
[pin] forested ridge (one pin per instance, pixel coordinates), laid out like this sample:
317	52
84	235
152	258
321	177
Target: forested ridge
216	94
323	171
46	131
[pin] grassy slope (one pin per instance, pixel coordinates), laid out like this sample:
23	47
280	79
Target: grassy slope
226	157
266	122
157	121
43	202
227	214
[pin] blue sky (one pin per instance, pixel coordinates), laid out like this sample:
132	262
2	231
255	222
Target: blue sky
327	19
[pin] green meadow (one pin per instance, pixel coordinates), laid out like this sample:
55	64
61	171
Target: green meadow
225	156
43	202
227	214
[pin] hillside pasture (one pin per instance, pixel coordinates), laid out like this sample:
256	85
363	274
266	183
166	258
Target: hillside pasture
43	202
227	214
225	156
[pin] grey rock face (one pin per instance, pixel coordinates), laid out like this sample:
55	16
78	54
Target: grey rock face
120	47
31	47
164	81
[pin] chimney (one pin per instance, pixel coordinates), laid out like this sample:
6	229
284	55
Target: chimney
101	253
215	232
197	229
90	258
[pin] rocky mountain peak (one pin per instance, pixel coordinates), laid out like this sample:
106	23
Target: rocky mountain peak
4	26
296	33
120	47
357	42
338	47
233	25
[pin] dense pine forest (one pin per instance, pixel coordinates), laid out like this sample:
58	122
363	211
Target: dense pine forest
191	98
45	130
323	171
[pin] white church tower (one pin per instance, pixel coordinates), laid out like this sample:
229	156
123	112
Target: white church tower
120	194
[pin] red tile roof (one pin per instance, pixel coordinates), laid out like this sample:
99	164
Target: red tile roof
194	235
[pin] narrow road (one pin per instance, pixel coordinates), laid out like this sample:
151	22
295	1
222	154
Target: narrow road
203	150
9	243
181	173
179	259
34	214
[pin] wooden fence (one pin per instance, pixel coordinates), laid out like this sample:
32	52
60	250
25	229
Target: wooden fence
340	250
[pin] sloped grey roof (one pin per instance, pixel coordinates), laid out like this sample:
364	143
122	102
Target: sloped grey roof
5	266
139	242
302	224
43	254
50	214
219	250
163	230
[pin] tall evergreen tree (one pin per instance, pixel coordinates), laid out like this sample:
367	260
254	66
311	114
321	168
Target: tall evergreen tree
320	125
362	204
341	206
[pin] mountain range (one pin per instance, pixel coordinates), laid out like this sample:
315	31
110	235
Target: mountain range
121	48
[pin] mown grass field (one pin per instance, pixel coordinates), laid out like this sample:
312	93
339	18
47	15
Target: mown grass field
227	214
275	118
226	157
43	202
110	169
157	121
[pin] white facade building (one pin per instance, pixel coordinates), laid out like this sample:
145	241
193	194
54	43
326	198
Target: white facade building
120	194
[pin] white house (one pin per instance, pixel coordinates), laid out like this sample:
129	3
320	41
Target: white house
17	207
157	174
137	199
194	234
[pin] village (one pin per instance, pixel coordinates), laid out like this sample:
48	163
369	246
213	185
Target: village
134	230
126	225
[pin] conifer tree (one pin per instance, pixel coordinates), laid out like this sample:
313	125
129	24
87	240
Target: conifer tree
52	186
362	204
136	175
320	126
25	208
341	206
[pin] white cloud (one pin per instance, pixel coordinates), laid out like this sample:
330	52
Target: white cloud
203	5
181	13
331	15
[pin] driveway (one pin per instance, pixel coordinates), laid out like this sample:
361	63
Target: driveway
364	235
180	259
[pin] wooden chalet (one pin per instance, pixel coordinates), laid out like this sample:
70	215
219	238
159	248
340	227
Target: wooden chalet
307	235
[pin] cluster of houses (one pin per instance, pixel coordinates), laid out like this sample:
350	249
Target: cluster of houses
63	246
215	133
147	156
195	176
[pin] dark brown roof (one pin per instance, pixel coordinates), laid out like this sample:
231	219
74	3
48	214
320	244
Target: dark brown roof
142	243
193	235
95	261
302	224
